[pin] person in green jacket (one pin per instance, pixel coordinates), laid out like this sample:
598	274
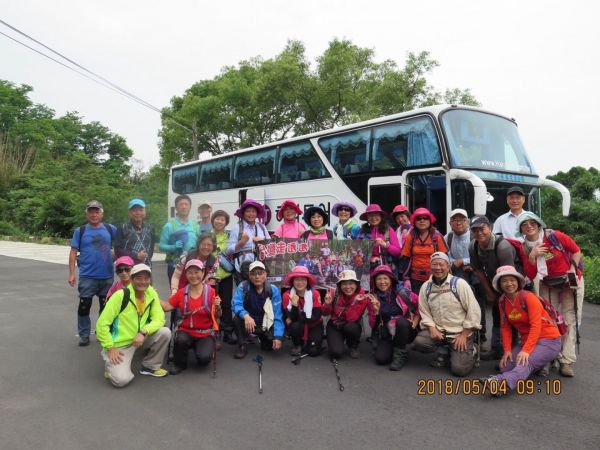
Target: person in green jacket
133	318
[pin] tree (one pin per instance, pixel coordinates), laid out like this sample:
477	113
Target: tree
260	101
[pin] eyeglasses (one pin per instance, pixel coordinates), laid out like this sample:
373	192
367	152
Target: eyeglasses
344	209
458	219
422	218
530	223
123	269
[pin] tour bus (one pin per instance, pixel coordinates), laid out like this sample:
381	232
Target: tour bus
440	157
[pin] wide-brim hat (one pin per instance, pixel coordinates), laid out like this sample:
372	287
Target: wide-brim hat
315	209
249	202
336	207
299	272
348	275
422	212
373	208
385	270
399	209
286	204
504	271
527	215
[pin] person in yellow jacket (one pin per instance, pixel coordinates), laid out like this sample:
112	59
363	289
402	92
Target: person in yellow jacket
133	318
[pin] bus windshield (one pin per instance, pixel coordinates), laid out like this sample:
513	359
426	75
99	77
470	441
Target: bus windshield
484	141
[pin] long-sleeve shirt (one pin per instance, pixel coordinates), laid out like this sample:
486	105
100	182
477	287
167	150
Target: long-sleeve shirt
374	233
245	253
253	303
441	308
533	323
556	261
403	303
460	247
297	313
346	309
167	243
131	240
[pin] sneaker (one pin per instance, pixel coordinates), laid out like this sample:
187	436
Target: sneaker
84	341
354	353
566	370
176	370
491	379
296	351
159	373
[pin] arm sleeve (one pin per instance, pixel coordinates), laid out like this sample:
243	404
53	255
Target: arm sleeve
107	317
238	302
175	299
394	247
174	282
505	330
534	311
326	309
164	239
278	327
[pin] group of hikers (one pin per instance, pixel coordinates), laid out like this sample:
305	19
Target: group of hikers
424	288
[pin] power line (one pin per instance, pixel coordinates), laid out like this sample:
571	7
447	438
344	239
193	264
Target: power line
105	82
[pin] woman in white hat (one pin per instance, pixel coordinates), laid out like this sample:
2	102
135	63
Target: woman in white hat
345	309
539	335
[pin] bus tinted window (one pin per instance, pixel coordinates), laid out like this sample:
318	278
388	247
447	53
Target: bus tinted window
299	161
410	143
254	168
216	175
348	153
185	179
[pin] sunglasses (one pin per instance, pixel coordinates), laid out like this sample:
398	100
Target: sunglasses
123	269
422	218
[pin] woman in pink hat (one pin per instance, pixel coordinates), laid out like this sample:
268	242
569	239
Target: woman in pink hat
377	229
422	242
302	309
401	217
290	228
123	267
393	315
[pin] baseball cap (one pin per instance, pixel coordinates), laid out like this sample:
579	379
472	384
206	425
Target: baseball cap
205	203
93	204
458	211
194	263
516	189
440	255
479	221
256	265
136	202
140	268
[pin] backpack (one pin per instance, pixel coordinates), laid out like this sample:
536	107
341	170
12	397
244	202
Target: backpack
246	290
434	240
555	243
518	261
186	301
175	226
245	265
327	231
556	317
453	288
124	302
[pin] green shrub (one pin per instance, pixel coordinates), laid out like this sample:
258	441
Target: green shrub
8	229
592	279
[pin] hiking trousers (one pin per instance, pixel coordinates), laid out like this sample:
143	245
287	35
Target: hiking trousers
461	363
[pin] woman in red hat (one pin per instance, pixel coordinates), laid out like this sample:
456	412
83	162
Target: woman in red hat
302	309
394	315
422	242
377	229
290	228
401	217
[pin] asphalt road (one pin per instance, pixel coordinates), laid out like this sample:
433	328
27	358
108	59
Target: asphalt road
53	394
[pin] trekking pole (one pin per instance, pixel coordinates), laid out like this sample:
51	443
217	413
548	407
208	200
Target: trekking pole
337	374
576	319
259	361
214	356
296	361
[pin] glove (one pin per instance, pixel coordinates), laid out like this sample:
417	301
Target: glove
178	244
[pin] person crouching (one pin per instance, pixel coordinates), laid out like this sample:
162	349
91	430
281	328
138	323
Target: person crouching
200	310
302	306
257	312
394	315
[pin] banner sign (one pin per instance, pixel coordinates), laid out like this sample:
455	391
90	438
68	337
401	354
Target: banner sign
323	258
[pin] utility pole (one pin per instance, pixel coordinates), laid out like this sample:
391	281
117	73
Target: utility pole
195	139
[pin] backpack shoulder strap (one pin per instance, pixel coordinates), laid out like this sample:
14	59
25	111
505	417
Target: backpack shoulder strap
305	234
453	288
434	240
110	232
81	231
195	227
329	234
174	225
450	237
126	296
206	294
268	289
428	289
240	230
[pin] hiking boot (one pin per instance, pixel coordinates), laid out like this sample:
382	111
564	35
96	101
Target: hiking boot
242	352
566	370
229	338
158	373
544	371
399	358
176	370
296	350
84	341
439	361
487	382
354	353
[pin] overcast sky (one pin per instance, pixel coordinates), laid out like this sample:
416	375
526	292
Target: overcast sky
535	61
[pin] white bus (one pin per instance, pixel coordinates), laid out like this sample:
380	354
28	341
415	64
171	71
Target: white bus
441	157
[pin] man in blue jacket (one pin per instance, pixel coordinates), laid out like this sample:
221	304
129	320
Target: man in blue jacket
257	312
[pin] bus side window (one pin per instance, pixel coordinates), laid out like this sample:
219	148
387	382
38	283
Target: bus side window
216	174
348	153
299	161
254	168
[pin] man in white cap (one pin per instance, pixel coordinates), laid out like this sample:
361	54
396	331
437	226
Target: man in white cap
135	238
133	318
257	311
450	317
204	213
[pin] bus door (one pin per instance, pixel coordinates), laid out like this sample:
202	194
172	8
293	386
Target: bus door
387	192
427	189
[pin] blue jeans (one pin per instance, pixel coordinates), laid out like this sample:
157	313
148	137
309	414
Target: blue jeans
88	287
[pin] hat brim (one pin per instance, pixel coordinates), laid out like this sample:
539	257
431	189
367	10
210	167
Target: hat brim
314	209
498	277
259	209
364	216
286	205
289	279
336	208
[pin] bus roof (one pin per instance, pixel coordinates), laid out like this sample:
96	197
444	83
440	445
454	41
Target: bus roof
434	110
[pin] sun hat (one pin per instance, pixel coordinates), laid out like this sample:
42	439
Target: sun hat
504	271
385	270
527	215
315	209
139	268
284	205
419	212
399	209
249	202
348	275
194	263
124	261
373	208
336	207
299	272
